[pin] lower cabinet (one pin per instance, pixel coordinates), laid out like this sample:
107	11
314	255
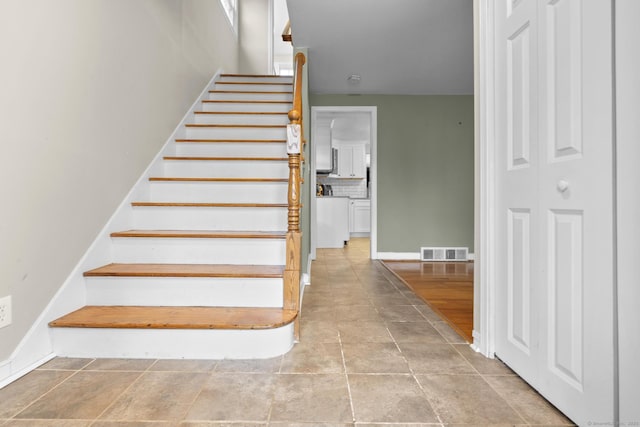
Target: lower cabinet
360	216
332	221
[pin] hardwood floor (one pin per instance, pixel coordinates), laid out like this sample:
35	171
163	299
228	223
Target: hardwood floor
447	287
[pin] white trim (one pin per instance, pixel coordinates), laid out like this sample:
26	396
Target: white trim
8	377
485	219
36	344
399	256
408	256
270	38
373	173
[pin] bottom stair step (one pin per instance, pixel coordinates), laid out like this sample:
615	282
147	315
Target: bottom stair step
142	317
174	332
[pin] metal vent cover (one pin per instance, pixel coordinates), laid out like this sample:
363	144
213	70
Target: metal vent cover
443	254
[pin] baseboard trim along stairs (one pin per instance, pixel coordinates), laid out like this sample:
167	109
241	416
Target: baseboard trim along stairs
196	268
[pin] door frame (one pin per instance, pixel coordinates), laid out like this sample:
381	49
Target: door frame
485	200
372	111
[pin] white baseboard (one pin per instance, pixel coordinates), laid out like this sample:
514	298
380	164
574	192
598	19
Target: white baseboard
408	256
9	374
399	256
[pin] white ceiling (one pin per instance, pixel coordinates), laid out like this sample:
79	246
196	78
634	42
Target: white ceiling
396	46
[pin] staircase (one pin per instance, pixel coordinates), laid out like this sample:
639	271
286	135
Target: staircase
200	271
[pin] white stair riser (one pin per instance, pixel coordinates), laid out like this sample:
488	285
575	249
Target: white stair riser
242	119
184	291
227	192
205	218
236	106
226	168
172	343
235	133
220	149
198	251
246	96
265	79
272	87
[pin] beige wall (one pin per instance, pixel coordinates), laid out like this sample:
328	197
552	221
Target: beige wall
90	92
254	37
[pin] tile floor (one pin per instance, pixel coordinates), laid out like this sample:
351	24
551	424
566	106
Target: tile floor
372	354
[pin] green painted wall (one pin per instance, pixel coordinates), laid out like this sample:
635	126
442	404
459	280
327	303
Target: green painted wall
425	168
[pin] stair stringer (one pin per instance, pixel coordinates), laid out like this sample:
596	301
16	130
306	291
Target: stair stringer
37	345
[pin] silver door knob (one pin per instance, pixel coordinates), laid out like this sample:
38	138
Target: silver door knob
562	186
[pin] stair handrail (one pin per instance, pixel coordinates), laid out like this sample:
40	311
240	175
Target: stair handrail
295	147
286	33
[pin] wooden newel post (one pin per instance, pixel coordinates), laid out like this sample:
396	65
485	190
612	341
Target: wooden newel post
294	143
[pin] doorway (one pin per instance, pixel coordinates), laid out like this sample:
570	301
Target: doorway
364	120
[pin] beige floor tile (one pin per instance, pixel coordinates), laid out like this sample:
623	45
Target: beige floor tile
482	364
216	424
47	423
318	331
134	424
313	358
374	358
233	396
389	398
157	396
182	365
363	332
120	365
415	332
529	404
467	399
400	313
266	366
280	424
85	395
428	313
360	313
448	333
318	313
434	358
70	363
311	398
17	396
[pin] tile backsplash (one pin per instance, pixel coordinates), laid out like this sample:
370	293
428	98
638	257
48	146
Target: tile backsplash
356	188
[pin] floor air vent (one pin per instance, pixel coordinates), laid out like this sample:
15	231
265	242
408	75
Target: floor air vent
443	254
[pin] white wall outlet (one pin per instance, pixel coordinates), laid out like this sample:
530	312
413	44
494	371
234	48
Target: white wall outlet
5	311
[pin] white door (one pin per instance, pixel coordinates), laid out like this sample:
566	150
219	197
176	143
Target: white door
554	302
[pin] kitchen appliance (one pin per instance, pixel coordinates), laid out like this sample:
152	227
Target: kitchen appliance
334	161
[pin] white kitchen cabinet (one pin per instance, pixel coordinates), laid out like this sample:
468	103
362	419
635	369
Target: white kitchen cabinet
352	161
332	215
360	216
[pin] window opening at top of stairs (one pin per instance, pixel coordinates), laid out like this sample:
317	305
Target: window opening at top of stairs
231	9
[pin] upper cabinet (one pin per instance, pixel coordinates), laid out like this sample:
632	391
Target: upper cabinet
352	161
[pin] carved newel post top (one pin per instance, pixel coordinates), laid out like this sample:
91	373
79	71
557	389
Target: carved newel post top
294	116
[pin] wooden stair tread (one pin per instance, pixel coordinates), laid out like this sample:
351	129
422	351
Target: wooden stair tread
254	75
210	205
257	113
212	101
207	179
231	141
255	92
187	270
206	234
231	126
255	83
143	317
268	159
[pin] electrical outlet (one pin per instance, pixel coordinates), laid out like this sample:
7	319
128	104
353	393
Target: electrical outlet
5	311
